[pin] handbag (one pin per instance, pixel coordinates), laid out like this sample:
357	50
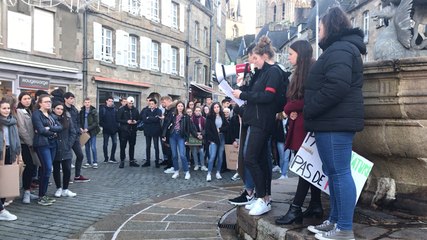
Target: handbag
9	177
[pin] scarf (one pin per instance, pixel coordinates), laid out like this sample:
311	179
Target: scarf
15	144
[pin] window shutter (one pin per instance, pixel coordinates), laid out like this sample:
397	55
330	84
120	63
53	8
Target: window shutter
125	48
166	58
181	62
169	59
97	41
146	9
181	17
124	4
145	53
166	12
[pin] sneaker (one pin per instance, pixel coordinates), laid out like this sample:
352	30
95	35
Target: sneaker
282	177
204	168
50	199
169	170
260	207
175	175
81	179
243	199
187	175
235	177
112	161
95	165
27	197
276	169
7	216
86	165
58	192
251	205
68	193
44	201
196	168
326	226
336	234
218	176
208	177
7	203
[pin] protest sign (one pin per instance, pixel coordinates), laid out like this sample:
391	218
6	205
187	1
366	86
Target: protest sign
307	164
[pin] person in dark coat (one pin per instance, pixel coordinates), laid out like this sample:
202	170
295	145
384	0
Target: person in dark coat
152	130
128	117
63	156
334	111
197	151
89	123
110	127
169	107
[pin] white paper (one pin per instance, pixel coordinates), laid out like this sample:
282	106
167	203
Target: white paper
227	90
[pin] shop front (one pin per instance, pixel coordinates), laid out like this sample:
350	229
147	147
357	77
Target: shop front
199	93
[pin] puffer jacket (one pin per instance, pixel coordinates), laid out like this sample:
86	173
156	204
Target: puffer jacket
333	99
66	138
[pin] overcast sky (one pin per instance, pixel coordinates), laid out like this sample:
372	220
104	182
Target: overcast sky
248	8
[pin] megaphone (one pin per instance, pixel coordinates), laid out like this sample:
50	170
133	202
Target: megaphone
223	71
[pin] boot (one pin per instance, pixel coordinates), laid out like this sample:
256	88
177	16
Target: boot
157	163
314	210
122	164
294	214
146	164
133	164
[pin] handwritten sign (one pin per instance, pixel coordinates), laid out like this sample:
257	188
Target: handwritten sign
307	164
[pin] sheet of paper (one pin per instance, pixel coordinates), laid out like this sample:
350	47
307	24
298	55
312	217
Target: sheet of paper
227	90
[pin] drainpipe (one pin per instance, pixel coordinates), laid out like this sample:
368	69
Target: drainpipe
210	50
187	50
85	81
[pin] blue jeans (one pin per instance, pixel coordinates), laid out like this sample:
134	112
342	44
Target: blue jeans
177	143
198	155
216	151
91	145
247	178
46	155
113	148
335	152
284	156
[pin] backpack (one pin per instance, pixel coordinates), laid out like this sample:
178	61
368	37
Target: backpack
280	97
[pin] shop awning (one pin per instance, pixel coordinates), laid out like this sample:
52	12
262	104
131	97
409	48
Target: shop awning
206	89
121	81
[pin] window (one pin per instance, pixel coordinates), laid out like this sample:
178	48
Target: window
109	3
380	21
133	50
283	11
217	51
155	56
21	39
43	31
205	37
366	26
218	14
196	73
107	45
206	75
174	61
196	34
274	13
134	6
174	15
155	10
235	31
353	22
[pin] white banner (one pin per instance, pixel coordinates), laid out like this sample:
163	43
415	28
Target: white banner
308	165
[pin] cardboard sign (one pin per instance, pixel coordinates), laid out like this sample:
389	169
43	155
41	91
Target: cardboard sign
231	156
307	164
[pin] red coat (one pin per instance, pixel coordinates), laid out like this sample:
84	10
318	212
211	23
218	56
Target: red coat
296	132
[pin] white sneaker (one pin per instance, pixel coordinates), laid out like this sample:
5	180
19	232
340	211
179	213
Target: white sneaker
175	175
204	168
7	216
250	205
260	207
95	165
58	193
86	165
68	193
196	168
276	169
169	170
218	176
187	175
283	177
27	197
72	166
208	177
235	177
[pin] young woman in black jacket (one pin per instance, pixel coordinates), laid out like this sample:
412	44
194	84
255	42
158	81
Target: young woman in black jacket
216	126
46	129
63	155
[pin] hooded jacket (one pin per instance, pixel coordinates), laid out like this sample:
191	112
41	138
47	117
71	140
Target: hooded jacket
333	99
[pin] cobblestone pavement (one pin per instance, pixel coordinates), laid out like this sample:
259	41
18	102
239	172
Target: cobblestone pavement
109	190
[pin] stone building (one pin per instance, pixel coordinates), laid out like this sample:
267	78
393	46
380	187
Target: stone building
40	49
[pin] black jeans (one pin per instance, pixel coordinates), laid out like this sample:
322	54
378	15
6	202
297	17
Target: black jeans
148	147
302	190
77	149
167	152
113	147
125	137
66	173
257	162
27	175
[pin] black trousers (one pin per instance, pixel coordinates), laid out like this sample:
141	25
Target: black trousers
124	139
77	149
27	175
148	147
167	151
302	190
257	162
66	173
113	137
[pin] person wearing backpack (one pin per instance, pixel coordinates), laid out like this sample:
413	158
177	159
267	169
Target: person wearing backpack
259	115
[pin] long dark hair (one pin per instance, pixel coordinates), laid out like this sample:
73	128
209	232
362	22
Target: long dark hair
63	119
176	108
212	113
304	62
334	22
20	106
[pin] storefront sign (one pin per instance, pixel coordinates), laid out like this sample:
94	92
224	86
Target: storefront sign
308	165
34	83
